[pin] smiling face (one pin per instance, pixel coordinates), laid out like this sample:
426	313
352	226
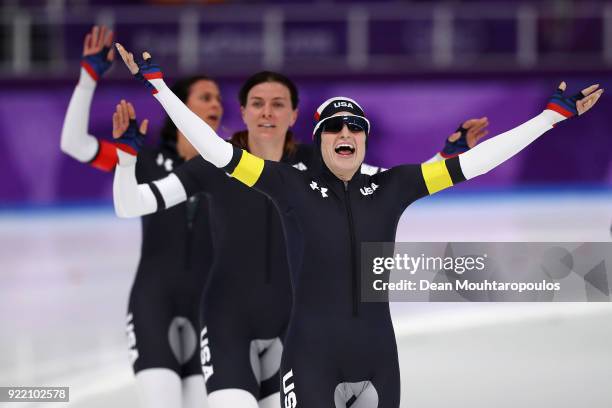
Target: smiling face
343	151
205	101
268	112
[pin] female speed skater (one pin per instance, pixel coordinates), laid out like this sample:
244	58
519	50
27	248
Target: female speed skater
242	341
247	300
332	337
162	319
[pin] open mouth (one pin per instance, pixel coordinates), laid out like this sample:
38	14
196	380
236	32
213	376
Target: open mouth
212	118
267	126
345	149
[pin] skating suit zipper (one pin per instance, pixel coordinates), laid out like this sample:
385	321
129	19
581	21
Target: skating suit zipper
354	280
268	273
192	209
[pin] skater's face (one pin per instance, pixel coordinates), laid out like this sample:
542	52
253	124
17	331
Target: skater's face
343	150
205	101
268	113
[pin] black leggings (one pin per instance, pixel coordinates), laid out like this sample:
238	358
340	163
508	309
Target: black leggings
163	331
316	361
242	337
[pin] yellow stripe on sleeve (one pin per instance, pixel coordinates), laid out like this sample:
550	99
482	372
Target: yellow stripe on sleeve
249	169
436	176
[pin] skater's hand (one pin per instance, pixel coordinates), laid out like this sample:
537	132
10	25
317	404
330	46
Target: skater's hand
468	134
128	135
98	55
146	70
562	107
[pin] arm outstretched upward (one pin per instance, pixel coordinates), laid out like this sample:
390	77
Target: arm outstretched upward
491	153
75	140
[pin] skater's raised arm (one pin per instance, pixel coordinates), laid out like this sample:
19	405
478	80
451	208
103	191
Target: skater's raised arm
498	149
237	162
75	139
133	199
130	198
491	153
206	141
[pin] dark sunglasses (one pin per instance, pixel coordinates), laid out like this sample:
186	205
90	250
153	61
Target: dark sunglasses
354	124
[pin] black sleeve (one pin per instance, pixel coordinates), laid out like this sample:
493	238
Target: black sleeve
413	181
197	175
145	167
265	176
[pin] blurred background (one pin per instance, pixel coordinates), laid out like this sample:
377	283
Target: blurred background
419	68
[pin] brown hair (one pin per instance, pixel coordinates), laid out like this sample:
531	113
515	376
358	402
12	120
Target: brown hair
240	139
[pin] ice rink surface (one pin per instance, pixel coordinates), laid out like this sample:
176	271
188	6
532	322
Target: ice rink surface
66	276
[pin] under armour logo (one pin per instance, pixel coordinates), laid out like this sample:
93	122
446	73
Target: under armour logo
167	163
322	190
368	190
300	166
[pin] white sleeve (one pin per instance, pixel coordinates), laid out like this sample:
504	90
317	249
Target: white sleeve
171	190
75	140
493	152
206	141
132	199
